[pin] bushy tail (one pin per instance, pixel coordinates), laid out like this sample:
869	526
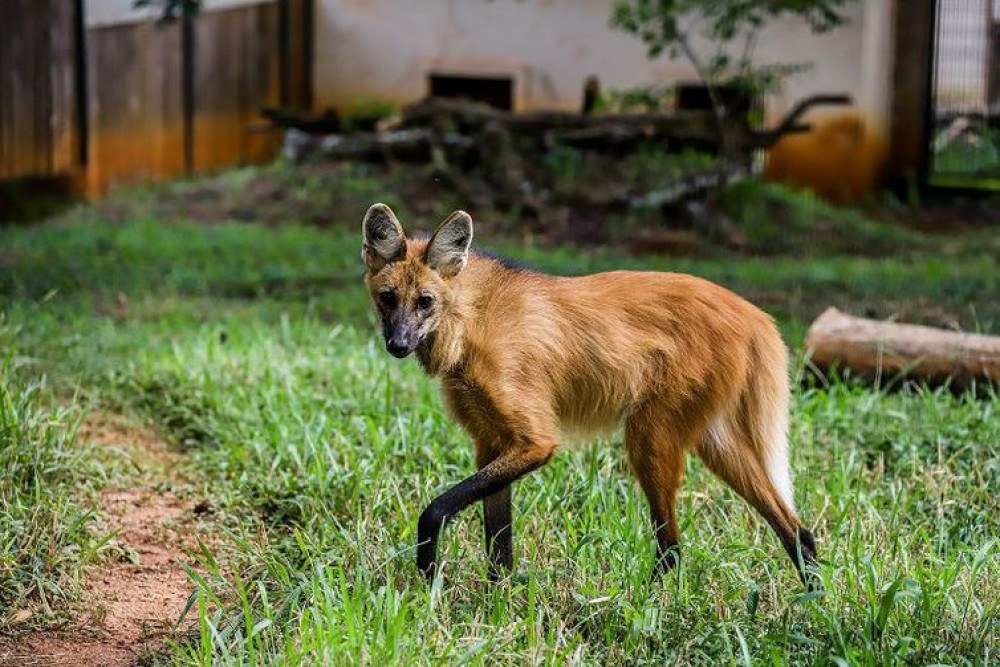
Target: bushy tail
748	448
767	414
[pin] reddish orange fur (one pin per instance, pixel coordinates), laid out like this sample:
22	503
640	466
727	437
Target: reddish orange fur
686	365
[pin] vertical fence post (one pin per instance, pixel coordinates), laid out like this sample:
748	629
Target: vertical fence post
990	7
188	86
911	94
925	165
284	54
308	55
81	91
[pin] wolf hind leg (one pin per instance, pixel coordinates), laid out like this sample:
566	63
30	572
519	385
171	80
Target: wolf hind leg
749	467
656	454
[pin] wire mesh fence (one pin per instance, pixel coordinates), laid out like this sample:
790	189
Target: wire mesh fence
965	138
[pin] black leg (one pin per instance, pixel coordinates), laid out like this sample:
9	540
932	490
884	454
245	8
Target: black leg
499	532
668	550
802	550
494	477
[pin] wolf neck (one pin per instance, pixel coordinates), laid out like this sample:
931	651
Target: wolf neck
445	351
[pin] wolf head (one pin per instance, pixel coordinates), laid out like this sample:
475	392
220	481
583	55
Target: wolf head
411	280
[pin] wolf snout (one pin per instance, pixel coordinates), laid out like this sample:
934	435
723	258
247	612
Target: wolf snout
398	347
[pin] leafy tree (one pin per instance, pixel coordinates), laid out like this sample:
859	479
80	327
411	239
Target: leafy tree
730	29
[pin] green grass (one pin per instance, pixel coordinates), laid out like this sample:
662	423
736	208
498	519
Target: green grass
971	161
335	448
46	532
975	182
252	347
779	221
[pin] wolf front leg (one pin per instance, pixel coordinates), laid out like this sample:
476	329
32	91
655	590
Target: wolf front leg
491	479
497	523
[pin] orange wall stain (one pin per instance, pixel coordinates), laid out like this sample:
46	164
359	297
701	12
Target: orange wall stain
156	151
842	159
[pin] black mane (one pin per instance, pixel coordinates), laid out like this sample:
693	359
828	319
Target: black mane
505	262
487	253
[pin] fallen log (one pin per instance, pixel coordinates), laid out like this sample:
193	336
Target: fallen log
413	144
689	186
327	122
603	131
596	130
878	349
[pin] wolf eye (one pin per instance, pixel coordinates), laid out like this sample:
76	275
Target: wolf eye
425	301
387	298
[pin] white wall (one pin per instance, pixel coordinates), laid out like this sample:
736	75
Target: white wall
99	13
384	49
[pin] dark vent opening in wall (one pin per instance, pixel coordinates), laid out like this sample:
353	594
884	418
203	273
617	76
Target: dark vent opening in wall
496	91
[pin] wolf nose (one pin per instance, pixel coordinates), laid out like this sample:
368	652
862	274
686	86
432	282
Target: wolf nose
397	348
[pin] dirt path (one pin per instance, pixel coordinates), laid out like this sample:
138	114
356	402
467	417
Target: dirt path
131	604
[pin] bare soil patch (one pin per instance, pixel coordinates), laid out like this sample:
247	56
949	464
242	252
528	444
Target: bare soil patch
132	602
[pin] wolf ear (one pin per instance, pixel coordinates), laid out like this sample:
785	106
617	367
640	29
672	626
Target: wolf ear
448	249
383	240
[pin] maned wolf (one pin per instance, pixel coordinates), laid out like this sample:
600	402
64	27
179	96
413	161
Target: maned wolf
523	357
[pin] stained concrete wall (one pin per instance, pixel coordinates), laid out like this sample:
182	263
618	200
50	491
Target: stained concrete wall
384	50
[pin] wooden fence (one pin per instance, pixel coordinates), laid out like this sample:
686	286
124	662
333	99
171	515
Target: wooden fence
136	100
37	97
